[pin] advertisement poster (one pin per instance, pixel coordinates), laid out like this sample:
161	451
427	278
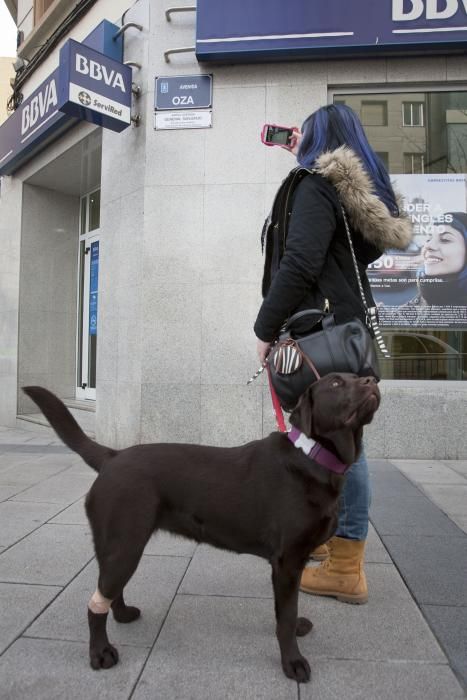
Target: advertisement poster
425	286
93	288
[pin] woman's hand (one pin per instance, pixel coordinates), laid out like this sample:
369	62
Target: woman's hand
262	348
295	145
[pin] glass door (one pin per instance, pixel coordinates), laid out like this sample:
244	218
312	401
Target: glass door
88	295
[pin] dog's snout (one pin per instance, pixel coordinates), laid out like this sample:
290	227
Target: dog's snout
368	380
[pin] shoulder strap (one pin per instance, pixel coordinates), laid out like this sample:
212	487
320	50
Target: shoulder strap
354	259
371	314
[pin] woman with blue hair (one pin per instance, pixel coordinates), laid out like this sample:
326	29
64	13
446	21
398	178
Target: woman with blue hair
314	269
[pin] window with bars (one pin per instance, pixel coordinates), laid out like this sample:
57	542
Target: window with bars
414	163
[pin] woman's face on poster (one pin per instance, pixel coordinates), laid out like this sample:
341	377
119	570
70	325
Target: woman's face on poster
444	251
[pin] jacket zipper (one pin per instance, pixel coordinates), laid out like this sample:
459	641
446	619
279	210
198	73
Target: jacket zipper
327	306
291	187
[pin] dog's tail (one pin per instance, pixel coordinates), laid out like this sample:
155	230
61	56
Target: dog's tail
67	428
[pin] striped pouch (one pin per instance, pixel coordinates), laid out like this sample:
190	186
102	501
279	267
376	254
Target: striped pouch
287	358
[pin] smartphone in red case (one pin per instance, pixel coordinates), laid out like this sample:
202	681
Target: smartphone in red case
274	135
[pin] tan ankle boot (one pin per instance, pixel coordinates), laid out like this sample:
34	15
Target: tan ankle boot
340	576
320	553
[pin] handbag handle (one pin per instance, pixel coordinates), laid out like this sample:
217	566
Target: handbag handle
301	314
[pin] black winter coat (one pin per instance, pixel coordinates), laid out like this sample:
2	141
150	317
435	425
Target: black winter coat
316	269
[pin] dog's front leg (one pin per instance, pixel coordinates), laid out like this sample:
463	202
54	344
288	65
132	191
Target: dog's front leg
286	581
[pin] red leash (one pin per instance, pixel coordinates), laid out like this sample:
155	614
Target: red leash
277	407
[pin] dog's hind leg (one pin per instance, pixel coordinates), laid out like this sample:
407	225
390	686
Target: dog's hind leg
304	625
101	653
123	612
286	580
118	557
116	569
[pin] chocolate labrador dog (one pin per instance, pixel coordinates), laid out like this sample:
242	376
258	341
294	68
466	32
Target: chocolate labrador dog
276	498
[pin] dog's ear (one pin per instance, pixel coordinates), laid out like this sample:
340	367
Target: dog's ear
302	415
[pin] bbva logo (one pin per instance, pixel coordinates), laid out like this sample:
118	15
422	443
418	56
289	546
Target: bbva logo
39	106
409	10
100	72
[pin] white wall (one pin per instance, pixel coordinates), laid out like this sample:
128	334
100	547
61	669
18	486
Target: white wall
187	289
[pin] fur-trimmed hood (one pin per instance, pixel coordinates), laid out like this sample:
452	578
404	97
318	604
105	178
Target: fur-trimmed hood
367	213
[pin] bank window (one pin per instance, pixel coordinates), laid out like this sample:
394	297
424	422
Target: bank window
414	163
40	8
88	286
374	113
421	293
94	210
90	212
413	114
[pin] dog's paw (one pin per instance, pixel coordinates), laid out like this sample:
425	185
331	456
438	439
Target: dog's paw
126	614
106	657
298	669
303	626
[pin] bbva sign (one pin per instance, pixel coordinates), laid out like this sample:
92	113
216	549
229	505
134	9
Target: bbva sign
94	87
100	72
39	106
410	10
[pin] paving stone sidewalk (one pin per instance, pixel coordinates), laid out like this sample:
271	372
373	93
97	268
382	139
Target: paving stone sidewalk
207	627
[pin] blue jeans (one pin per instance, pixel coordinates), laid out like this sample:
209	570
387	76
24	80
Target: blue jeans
355	502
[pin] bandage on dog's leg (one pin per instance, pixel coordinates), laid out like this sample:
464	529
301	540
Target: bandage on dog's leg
98	604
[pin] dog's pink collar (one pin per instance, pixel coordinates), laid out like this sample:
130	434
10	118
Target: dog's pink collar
317	452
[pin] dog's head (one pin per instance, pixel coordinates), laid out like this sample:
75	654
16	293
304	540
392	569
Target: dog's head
334	410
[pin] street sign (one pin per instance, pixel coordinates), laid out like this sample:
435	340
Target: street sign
183	120
183	92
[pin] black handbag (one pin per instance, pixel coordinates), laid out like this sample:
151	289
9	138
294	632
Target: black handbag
295	363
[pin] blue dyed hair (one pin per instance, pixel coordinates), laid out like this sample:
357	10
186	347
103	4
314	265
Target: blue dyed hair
337	125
